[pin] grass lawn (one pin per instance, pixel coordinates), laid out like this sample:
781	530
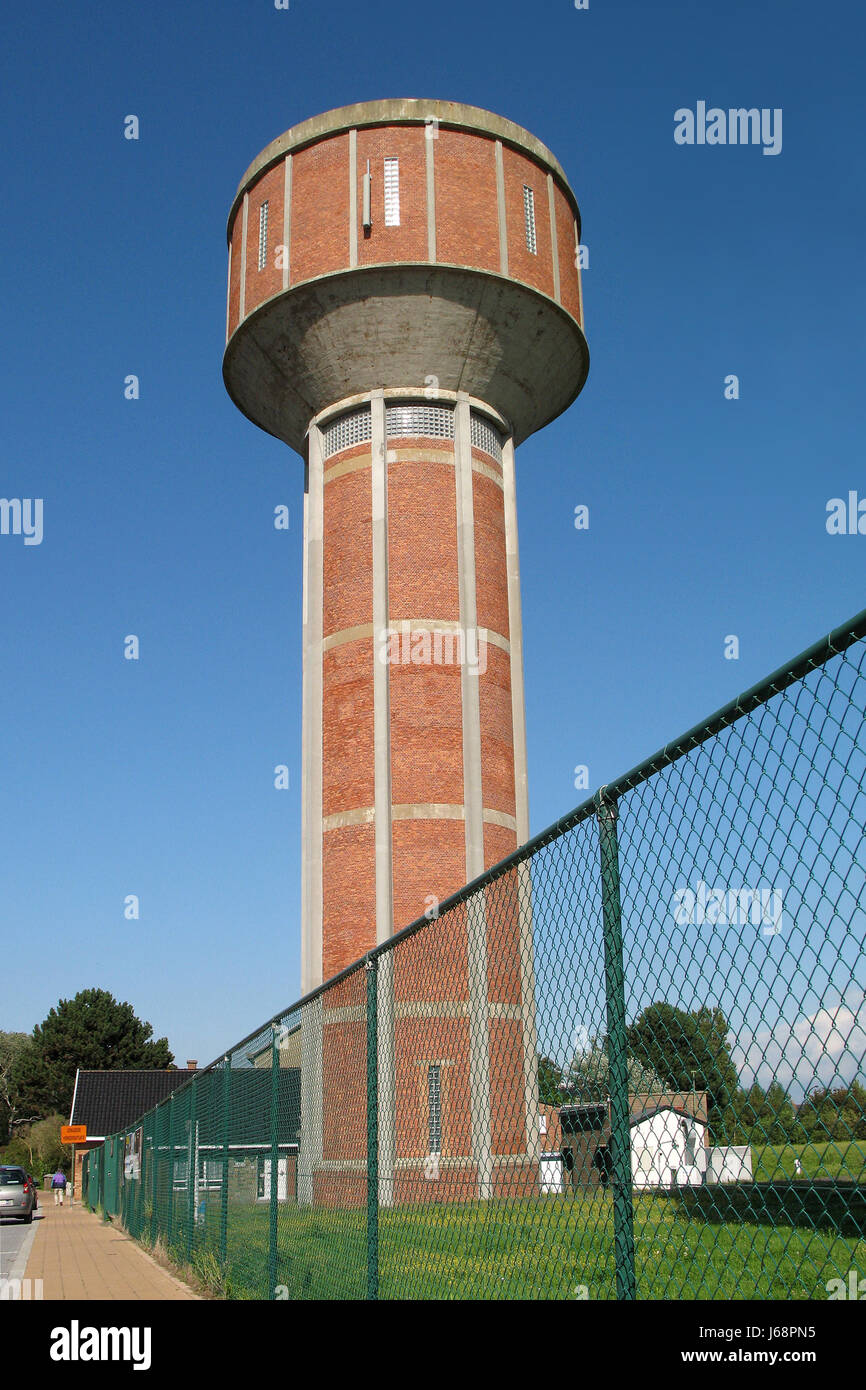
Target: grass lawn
840	1160
547	1247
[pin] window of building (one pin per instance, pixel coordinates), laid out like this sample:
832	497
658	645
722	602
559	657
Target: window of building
211	1177
263	236
529	218
392	193
434	1095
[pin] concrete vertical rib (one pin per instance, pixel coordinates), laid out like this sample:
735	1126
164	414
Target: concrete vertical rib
554	245
353	198
473	797
287	220
229	293
430	165
515	630
311	777
311	1141
242	306
521	802
381	690
382	800
500	205
310	1145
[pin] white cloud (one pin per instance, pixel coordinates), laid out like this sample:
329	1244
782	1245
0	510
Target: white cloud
826	1048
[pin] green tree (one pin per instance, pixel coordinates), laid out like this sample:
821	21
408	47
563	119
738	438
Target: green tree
38	1149
757	1116
12	1049
550	1079
839	1115
689	1051
92	1031
589	1075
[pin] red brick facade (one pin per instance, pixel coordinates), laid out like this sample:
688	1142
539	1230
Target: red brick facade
438	737
466	213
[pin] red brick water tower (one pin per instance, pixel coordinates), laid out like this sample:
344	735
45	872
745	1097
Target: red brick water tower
404	307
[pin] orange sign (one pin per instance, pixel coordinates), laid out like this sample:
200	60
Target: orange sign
73	1134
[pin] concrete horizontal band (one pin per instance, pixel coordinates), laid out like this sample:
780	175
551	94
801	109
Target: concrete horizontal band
364	631
356	464
445	1008
359	462
416	455
454	115
365	815
420	1008
463	1163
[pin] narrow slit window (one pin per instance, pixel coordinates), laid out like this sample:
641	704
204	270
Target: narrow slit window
263	236
529	218
392	193
434	1093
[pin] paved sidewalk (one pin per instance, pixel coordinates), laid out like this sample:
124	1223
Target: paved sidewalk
78	1257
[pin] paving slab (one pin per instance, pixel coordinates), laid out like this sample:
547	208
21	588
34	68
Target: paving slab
79	1257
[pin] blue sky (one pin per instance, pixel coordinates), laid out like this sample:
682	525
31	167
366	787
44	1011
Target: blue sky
707	516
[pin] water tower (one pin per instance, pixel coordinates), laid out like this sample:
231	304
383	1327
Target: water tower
404	307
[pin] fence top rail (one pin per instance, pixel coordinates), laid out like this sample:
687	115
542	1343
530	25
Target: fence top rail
813	657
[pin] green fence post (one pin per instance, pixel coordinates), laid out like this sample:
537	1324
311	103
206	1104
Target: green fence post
169	1223
275	1161
224	1190
109	1144
154	1177
614	978
372	1130
139	1215
191	1170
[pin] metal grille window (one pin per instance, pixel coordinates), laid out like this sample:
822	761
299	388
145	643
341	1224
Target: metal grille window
354	428
529	218
434	1095
392	193
434	421
263	236
484	436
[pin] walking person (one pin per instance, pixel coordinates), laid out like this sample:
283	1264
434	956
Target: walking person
58	1186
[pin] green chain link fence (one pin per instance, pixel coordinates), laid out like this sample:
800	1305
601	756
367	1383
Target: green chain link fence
627	1062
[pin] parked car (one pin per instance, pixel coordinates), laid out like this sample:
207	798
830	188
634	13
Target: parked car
17	1193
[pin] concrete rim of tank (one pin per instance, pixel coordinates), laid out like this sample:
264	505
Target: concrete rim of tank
280	367
401	111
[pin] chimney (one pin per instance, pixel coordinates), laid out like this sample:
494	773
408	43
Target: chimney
192	1066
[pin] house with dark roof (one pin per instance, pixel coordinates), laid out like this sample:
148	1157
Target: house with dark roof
108	1101
669	1140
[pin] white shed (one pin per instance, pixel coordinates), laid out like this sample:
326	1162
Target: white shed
668	1147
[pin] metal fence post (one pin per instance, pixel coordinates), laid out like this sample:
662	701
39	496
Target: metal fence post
191	1170
154	1177
372	1130
169	1224
275	1160
109	1144
224	1191
614	977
